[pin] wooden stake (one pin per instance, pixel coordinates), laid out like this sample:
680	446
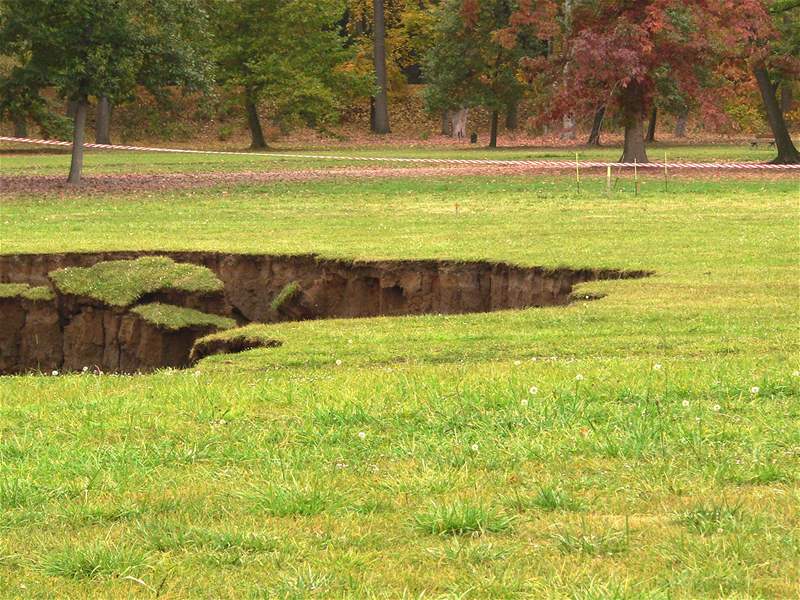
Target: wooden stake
666	173
635	177
577	173
608	180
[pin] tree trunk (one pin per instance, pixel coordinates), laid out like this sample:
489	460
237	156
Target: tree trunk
78	137
379	57
597	126
20	127
787	153
72	109
254	123
459	121
447	123
102	126
787	99
493	135
512	116
680	125
568	128
651	126
633	120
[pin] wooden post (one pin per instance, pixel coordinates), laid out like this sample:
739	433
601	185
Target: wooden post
577	173
608	180
635	177
666	173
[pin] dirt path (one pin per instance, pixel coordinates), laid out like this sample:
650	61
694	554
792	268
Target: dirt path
114	183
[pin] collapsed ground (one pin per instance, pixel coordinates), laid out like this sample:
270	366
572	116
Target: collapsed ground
644	443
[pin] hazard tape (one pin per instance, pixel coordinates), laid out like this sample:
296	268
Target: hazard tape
539	164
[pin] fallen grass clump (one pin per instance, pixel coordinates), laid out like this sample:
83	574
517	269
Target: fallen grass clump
123	282
460	518
286	294
23	290
169	316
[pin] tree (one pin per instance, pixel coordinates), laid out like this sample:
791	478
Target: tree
287	56
476	56
94	48
776	57
615	49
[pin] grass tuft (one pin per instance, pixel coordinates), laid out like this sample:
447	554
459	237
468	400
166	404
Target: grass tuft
94	560
292	500
547	498
709	519
593	543
459	518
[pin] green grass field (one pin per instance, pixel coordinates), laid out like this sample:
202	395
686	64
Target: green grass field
644	445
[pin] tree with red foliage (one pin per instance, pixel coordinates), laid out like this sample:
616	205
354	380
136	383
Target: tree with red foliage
617	49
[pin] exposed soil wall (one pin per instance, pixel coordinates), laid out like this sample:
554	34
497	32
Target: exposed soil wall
80	332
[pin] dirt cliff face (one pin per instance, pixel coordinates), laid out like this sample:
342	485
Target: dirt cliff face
73	332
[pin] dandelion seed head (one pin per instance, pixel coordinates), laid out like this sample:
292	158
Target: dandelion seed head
533	390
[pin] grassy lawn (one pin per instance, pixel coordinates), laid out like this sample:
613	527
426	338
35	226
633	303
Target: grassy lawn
57	163
644	445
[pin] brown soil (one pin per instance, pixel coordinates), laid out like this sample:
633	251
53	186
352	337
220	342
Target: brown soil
56	184
73	332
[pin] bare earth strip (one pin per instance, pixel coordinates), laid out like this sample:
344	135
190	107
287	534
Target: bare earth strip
25	184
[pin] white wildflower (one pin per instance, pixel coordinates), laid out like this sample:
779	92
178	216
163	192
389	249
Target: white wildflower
716	408
657	367
578	377
55	373
362	435
474	447
338	362
754	390
524	402
685	404
533	390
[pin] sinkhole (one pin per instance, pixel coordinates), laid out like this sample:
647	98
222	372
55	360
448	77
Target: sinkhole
131	312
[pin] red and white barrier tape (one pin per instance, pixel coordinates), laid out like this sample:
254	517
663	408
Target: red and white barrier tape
541	164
